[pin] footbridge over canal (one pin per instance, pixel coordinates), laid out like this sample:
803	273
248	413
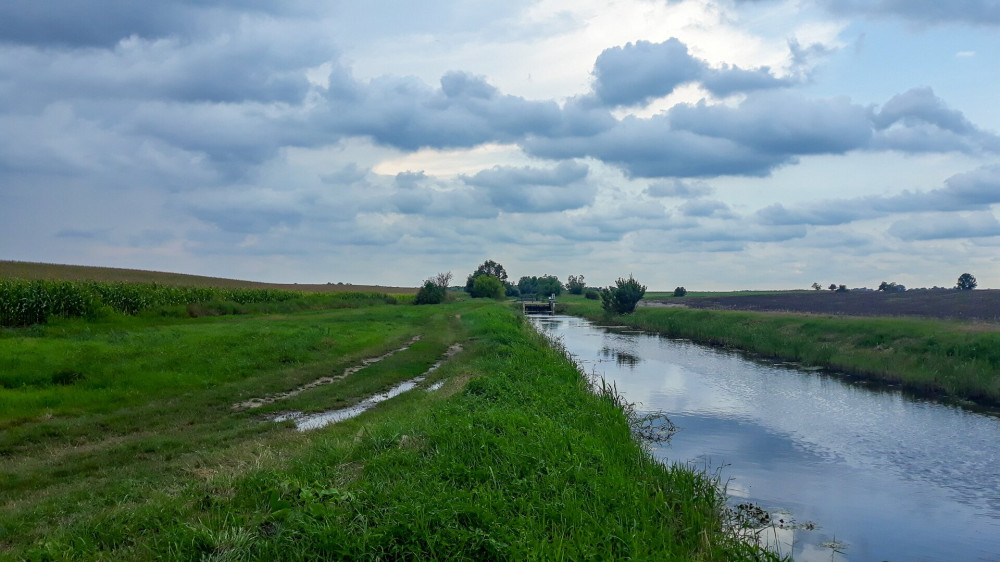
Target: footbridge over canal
531	304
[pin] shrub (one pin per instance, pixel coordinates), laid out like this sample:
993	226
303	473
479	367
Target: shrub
430	293
680	292
487	286
622	298
592	295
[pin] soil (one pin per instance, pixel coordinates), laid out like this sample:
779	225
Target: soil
977	305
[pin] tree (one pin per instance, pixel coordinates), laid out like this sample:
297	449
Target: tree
966	282
816	286
487	286
511	290
622	298
488	267
575	285
842	289
680	292
442	280
832	287
542	286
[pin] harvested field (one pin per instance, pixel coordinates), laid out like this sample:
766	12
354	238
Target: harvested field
46	271
981	305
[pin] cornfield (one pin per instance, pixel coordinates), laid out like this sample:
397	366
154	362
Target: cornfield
23	303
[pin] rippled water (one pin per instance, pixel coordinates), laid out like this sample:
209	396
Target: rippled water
880	475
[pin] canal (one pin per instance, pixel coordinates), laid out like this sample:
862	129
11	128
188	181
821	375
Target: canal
843	471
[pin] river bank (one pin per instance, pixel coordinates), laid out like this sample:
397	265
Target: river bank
940	358
120	439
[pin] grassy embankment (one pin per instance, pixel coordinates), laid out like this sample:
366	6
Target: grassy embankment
928	356
119	441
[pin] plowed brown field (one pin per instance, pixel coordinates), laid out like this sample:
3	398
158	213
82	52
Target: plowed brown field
977	305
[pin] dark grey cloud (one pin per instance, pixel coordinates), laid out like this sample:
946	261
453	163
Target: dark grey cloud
741	236
243	218
679	188
641	71
500	177
781	124
466	111
103	23
968	191
536	190
946	226
651	148
90	234
729	80
256	61
638	72
919	121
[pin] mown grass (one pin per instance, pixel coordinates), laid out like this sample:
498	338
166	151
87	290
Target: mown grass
143	457
928	356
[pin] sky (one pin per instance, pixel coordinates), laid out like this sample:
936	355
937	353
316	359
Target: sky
710	144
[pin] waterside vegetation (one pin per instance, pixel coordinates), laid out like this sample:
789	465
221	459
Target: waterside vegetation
947	358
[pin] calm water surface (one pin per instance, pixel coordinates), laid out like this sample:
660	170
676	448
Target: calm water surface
881	476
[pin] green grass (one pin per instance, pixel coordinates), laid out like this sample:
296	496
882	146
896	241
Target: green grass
119	442
925	355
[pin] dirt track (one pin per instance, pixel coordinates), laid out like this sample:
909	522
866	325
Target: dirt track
980	305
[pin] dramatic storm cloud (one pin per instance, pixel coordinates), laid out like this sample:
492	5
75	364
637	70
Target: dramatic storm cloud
382	143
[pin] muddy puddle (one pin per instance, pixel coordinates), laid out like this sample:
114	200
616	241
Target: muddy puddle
305	422
271	399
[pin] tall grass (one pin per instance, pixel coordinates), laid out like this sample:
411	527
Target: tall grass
23	303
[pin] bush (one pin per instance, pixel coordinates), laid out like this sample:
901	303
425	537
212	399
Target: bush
592	295
430	293
487	286
680	292
622	298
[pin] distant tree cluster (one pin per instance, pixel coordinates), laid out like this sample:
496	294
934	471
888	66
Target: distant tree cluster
680	292
891	287
543	286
